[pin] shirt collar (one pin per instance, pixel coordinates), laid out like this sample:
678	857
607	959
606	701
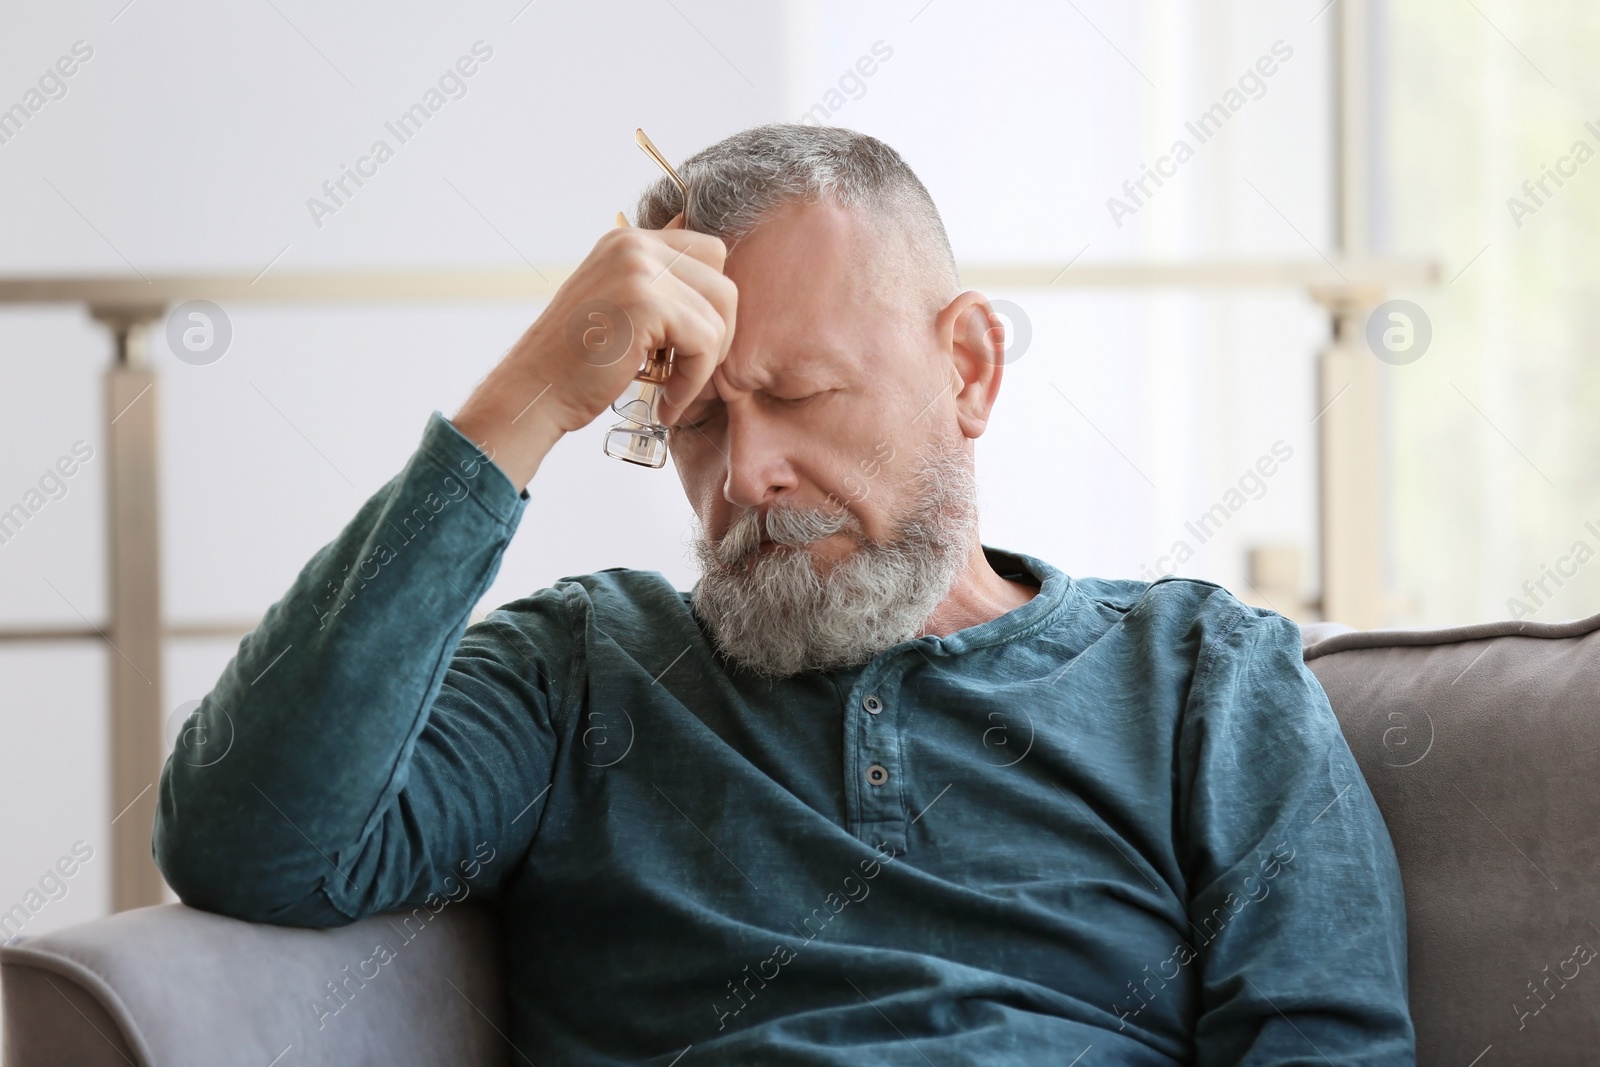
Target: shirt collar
1022	621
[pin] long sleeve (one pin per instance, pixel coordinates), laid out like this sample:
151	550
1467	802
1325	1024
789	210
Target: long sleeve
363	750
1296	908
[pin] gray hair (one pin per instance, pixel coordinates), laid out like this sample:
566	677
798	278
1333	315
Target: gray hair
741	180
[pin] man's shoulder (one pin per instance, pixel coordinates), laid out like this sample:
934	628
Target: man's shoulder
1173	608
1171	594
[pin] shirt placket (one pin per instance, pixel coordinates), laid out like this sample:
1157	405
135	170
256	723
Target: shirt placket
874	766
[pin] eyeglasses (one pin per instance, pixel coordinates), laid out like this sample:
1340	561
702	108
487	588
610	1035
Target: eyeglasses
641	436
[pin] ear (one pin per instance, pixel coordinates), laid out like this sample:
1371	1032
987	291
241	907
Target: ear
974	336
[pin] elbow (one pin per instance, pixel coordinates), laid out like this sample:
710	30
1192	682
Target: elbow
217	865
195	862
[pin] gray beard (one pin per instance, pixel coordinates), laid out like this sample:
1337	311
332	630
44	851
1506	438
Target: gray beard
777	614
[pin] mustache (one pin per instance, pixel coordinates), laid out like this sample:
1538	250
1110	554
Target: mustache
785	525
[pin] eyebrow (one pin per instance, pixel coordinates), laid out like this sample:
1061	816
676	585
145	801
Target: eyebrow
701	407
786	378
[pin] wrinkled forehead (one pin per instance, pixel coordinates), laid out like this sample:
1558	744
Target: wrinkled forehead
811	298
813	252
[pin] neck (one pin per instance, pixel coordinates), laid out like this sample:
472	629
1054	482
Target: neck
977	595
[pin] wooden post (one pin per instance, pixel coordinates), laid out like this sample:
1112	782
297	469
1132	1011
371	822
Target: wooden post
1349	403
134	512
1350	442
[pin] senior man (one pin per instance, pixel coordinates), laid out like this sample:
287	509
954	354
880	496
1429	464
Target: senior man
871	792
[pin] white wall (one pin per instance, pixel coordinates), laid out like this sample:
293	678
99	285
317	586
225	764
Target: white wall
193	137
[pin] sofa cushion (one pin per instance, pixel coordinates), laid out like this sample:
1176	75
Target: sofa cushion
1482	746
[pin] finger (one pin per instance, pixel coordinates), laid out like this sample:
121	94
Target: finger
718	297
698	335
694	359
690	408
719	291
702	246
675	223
715	287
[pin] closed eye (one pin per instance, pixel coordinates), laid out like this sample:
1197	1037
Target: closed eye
716	409
796	401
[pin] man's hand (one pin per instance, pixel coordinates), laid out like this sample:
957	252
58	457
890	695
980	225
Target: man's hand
636	291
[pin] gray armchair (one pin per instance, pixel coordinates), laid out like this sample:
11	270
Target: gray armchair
1480	743
171	986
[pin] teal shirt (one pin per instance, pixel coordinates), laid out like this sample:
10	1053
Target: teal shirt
1119	818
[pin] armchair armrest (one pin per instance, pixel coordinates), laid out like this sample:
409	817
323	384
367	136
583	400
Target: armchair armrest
171	985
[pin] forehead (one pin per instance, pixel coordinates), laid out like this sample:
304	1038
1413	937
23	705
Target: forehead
807	305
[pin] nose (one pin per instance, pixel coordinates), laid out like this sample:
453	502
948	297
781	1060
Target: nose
759	471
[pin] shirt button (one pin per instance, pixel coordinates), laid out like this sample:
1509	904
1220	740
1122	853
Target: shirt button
877	774
873	705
